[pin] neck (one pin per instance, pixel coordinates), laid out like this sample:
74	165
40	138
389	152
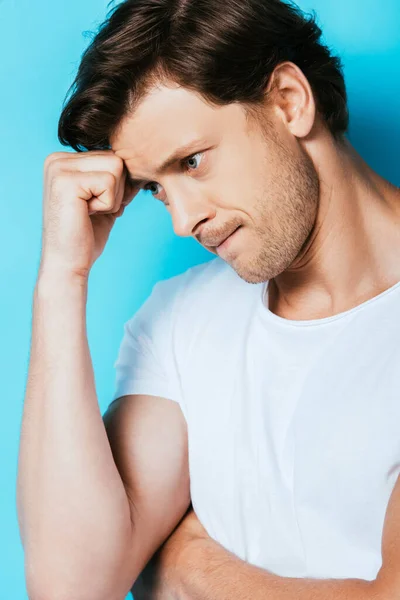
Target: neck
352	253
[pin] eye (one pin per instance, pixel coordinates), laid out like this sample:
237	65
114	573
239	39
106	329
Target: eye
194	162
153	185
149	187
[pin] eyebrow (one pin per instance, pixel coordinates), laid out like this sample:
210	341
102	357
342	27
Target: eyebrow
178	154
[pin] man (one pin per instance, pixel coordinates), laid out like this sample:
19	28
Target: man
272	408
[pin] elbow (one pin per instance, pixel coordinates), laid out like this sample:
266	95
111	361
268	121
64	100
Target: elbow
40	593
41	590
50	575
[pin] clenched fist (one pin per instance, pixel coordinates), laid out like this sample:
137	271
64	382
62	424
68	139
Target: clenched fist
83	195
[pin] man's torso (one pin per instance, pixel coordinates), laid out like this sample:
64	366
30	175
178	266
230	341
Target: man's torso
294	444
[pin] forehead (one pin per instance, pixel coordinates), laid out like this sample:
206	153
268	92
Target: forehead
169	117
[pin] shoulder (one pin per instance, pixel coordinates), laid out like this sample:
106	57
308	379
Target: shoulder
209	281
210	291
196	279
168	296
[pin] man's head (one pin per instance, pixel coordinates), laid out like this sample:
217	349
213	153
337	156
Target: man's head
247	82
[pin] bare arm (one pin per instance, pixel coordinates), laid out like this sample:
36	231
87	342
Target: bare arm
208	571
148	437
192	565
88	528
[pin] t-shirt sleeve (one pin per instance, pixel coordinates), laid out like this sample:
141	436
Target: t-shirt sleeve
145	363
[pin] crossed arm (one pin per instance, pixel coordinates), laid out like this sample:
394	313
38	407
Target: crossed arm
192	566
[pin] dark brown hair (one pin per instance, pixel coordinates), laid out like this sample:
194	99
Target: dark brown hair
225	50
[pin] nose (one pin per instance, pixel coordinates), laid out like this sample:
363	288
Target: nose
188	210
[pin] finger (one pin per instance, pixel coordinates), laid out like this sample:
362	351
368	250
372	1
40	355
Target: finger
119	192
97	188
130	192
86	161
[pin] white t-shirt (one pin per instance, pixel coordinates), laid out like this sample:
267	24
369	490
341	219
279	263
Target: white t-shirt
293	426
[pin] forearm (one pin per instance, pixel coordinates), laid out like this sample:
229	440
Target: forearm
207	571
193	566
72	506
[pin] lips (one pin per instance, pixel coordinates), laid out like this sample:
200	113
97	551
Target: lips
225	238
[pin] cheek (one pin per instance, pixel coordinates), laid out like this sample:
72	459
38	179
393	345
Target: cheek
236	180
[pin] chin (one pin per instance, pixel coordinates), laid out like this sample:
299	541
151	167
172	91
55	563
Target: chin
248	272
257	269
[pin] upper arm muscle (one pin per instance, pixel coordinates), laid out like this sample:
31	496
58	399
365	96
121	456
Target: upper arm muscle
148	439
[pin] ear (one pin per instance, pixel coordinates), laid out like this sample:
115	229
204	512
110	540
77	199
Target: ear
292	98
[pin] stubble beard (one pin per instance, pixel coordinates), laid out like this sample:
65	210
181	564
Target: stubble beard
285	215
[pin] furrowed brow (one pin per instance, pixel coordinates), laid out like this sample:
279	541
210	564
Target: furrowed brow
179	154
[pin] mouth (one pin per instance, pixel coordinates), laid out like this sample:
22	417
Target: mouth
226	241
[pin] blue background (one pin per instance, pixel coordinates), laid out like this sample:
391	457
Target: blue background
40	47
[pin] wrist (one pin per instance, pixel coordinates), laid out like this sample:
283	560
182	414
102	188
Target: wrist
54	278
185	564
175	556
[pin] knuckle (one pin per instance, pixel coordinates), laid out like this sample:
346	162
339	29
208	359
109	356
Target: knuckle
54	156
53	165
119	165
110	182
110	178
60	181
